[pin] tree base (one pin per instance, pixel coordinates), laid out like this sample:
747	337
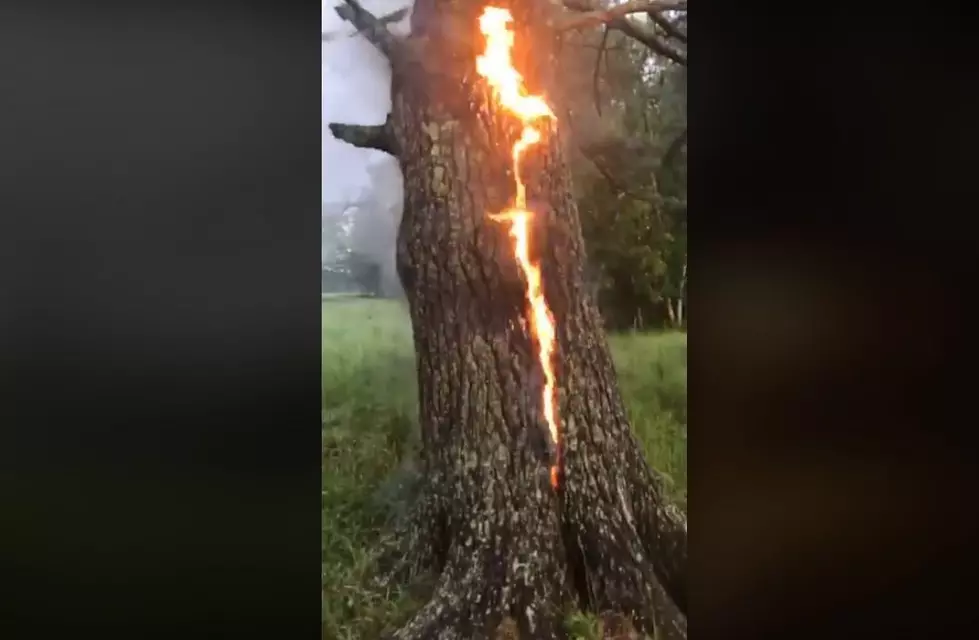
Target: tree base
516	573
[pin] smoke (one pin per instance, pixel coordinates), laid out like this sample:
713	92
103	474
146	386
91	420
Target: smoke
366	185
374	231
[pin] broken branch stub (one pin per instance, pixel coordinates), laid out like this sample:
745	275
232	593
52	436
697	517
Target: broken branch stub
377	136
374	28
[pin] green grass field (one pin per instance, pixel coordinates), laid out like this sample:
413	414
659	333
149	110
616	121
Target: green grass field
369	424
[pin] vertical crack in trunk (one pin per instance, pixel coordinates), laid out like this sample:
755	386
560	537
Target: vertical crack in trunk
508	551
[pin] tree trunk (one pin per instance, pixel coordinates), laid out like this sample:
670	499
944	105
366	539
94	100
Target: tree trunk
683	294
508	550
671	315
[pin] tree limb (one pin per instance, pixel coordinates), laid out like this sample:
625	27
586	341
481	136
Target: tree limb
616	18
382	21
598	62
670	29
592	15
646	35
377	136
373	28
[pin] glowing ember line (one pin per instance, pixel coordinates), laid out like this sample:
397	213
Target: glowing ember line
496	66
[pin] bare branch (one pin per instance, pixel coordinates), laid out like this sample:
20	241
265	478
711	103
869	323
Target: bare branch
378	136
598	62
373	28
670	29
592	15
646	35
620	46
616	17
382	21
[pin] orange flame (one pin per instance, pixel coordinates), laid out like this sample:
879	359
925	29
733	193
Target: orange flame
497	67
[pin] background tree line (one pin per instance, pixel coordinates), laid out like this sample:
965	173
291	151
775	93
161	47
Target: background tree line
628	129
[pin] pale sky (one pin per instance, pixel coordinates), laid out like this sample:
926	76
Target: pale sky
356	90
367	183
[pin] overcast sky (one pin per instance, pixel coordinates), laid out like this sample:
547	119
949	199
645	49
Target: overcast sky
367	183
356	90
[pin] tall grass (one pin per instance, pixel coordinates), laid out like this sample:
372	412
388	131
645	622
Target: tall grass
369	423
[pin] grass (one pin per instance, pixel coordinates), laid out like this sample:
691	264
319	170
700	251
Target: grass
369	422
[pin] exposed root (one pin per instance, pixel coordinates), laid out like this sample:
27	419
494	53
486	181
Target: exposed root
419	543
617	572
619	577
662	527
507	568
511	586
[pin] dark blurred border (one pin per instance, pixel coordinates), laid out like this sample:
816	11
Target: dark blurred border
159	323
831	431
159	318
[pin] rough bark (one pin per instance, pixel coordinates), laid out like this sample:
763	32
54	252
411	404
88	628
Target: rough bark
510	553
378	136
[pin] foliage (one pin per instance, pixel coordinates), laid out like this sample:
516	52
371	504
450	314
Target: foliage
364	271
344	267
627	113
369	436
624	102
369	415
335	232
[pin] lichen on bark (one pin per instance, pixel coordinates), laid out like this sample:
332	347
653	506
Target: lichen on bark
508	554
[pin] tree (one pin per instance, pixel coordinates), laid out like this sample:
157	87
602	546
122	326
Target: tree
508	547
365	272
334	229
335	251
626	109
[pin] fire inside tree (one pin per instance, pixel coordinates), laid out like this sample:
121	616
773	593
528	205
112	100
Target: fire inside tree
495	65
504	325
